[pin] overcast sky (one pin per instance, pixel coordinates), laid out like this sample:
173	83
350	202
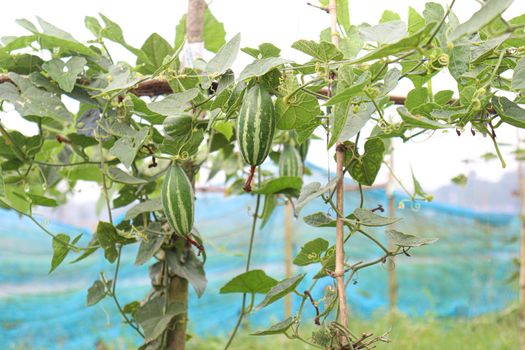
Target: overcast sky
435	160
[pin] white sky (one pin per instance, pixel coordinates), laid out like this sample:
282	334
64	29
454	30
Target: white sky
435	161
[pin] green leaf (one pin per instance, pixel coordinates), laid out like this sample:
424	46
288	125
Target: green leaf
319	219
518	77
420	121
369	218
327	262
174	104
509	111
225	128
119	77
418	189
147	206
311	252
149	245
281	289
356	120
225	57
278	328
311	191
65	74
415	21
391	80
190	268
52	38
459	61
443	97
255	281
352	44
96	293
60	250
154	320
487	47
416	97
120	176
39	103
269	50
299	110
384	33
284	184
184	146
42	201
156	48
113	32
364	169
323	51
107	237
270	202
433	12
343	13
488	12
8	92
126	148
405	240
351	91
260	67
213	34
408	43
93	25
389	16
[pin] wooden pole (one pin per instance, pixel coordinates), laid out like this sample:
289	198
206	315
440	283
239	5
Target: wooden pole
288	253
392	275
178	286
521	326
339	239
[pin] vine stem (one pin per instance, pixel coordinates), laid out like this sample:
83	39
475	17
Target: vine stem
248	262
339	239
114	295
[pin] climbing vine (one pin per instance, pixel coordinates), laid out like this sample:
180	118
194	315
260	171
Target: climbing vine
160	120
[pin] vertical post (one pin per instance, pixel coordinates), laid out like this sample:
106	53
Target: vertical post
288	252
521	326
195	28
339	239
392	275
178	286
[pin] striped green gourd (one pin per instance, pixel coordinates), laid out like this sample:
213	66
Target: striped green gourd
290	162
179	125
178	200
256	125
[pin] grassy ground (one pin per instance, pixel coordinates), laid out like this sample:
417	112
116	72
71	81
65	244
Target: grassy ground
491	332
494	332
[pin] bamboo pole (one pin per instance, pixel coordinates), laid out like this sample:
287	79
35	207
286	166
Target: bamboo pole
392	274
288	253
339	239
178	286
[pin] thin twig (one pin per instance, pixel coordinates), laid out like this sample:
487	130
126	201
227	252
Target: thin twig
314	304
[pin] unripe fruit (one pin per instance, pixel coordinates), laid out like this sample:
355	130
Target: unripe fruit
178	200
256	125
179	125
290	163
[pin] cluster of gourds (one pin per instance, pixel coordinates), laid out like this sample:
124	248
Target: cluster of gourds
255	129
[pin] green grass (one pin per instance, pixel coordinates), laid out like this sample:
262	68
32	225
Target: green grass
494	332
490	332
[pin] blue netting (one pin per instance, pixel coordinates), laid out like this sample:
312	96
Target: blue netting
462	275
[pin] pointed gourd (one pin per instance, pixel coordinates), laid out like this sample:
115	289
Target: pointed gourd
178	200
256	125
290	162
